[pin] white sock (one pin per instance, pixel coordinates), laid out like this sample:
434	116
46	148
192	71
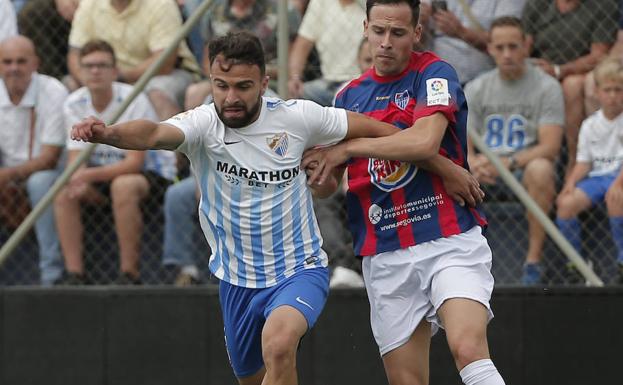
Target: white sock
481	372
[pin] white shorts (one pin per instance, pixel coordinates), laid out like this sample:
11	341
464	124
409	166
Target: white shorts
408	285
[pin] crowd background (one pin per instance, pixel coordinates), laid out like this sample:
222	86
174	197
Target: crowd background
564	39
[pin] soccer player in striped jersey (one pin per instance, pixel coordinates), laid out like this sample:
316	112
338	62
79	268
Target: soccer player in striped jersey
426	263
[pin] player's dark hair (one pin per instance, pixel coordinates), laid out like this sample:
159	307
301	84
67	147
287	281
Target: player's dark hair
238	48
508	21
413	4
97	45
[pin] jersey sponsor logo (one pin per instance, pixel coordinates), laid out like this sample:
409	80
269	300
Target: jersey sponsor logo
279	144
375	213
437	93
389	175
311	260
402	99
181	115
380	98
301	301
257	175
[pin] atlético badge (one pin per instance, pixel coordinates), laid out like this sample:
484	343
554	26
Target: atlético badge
402	99
279	144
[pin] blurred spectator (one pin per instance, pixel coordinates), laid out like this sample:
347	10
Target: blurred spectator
459	31
597	175
334	28
590	100
130	177
47	24
195	42
257	16
518	110
568	38
138	30
181	232
32	137
8	22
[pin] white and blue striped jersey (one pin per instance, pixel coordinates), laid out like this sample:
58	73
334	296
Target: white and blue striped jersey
79	106
256	210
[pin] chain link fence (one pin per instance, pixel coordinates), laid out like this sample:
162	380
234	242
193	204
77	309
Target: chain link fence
508	235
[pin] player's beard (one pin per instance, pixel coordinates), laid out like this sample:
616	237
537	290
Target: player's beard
246	119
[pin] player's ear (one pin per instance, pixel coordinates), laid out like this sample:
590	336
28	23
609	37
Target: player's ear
365	29
264	84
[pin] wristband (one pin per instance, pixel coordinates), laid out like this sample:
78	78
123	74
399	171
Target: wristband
557	71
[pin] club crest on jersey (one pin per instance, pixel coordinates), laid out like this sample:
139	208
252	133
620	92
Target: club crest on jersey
389	175
402	99
279	144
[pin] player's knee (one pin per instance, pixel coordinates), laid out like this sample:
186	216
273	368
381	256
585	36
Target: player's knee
467	350
279	349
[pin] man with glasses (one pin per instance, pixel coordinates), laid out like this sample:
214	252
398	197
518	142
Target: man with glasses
127	177
31	142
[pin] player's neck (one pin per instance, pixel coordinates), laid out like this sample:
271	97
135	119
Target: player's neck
101	98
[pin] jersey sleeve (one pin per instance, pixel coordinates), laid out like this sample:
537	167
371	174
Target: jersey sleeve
438	90
325	125
195	124
583	151
475	120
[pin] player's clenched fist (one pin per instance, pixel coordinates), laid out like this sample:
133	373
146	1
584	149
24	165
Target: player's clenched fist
88	129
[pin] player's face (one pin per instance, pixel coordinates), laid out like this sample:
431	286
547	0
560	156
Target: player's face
237	90
98	71
17	65
610	95
391	35
509	49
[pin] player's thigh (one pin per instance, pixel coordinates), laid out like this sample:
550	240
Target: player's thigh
466	320
463	272
397	296
409	364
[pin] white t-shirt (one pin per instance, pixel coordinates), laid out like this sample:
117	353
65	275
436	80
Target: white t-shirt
256	210
337	31
44	96
601	144
8	21
79	106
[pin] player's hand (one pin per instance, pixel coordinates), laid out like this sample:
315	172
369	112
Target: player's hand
88	129
324	160
463	187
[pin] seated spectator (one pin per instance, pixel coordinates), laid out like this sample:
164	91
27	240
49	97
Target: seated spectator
518	111
32	137
139	31
8	22
181	231
256	16
569	38
47	24
129	177
334	28
590	100
460	31
597	175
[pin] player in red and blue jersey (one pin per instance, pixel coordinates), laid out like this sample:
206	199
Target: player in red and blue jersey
426	263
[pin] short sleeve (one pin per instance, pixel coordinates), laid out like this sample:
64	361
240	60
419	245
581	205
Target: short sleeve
195	124
81	32
583	152
167	21
325	125
53	130
553	105
475	121
438	90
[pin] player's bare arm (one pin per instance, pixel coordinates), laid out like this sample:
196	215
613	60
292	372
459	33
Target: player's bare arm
417	143
133	135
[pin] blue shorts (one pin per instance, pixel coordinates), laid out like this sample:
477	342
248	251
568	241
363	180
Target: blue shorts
595	187
245	311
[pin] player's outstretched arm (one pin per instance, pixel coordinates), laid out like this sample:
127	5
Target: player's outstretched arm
139	134
360	126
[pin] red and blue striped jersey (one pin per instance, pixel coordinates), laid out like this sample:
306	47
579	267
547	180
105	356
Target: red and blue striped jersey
392	204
